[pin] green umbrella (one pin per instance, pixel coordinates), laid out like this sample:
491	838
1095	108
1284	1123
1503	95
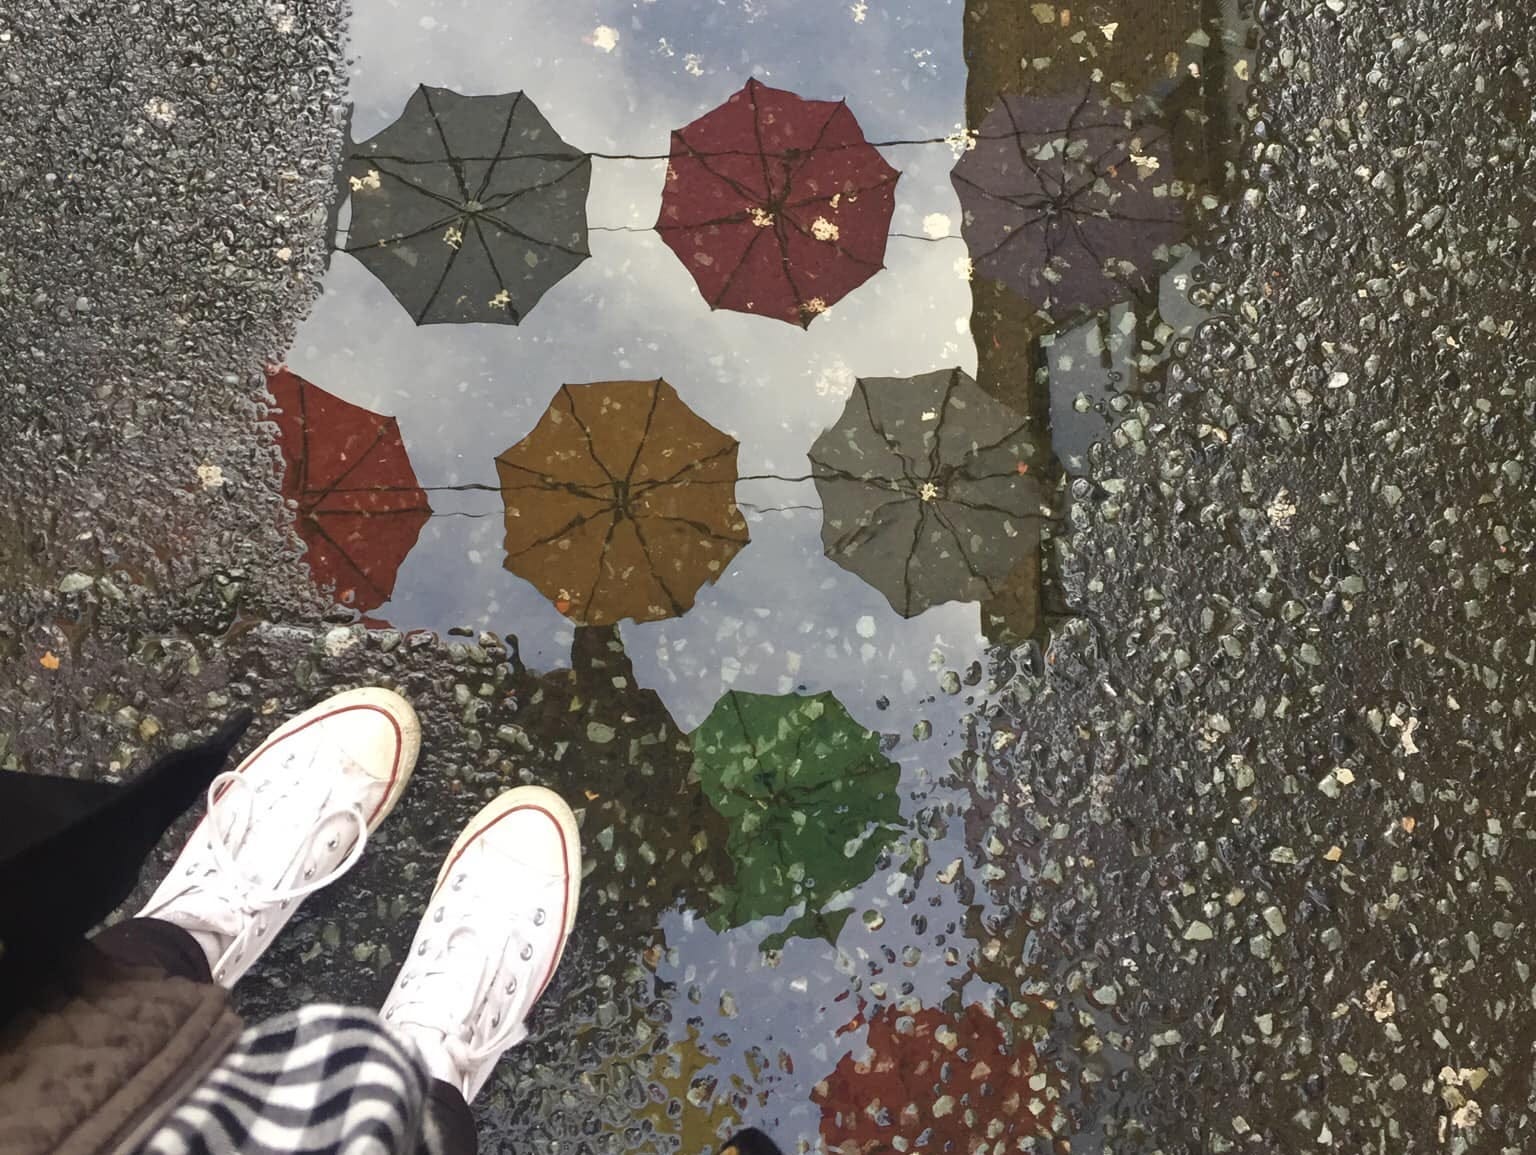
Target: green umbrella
810	799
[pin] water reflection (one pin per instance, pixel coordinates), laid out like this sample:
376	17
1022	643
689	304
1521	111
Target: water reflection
810	797
345	469
665	1016
776	204
468	208
926	489
1069	199
621	502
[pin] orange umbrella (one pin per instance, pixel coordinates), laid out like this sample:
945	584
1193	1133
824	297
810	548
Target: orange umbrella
621	502
359	506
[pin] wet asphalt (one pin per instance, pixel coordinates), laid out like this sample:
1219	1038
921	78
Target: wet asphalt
1249	856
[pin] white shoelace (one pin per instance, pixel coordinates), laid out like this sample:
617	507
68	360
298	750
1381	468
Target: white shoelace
226	900
433	999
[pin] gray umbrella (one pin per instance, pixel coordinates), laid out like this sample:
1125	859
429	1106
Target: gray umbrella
468	208
1069	200
926	489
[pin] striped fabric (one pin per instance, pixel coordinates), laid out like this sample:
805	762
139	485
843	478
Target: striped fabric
321	1079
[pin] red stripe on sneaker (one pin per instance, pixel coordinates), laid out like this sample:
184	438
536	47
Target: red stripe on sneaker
565	895
280	736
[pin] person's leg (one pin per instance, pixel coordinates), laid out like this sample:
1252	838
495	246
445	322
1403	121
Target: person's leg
155	943
293	818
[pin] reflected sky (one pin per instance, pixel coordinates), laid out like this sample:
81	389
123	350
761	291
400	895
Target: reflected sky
463	394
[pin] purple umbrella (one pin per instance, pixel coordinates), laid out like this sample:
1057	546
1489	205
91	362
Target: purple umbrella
1067	199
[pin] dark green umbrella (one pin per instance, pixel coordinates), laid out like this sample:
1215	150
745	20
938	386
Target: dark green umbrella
927	489
468	208
810	798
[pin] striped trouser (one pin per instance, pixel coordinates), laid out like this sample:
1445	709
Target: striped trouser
320	1079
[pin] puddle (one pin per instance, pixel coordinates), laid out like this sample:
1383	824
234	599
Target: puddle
819	462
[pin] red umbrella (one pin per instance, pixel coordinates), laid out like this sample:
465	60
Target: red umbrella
777	205
359	506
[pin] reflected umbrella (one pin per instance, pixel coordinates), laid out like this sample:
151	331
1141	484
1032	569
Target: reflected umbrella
1067	199
777	205
926	489
359	508
468	208
811	800
891	1101
621	502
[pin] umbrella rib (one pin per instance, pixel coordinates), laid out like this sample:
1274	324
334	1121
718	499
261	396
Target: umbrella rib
906	569
602	557
1009	436
508	198
740	218
650	419
457	206
889	179
506	131
1018	142
575	523
805	157
653	483
780	236
741	718
385	242
303	441
741	190
762	153
438	288
698	526
501	282
678	609
908	466
1012	236
740	264
867	529
954	535
453	162
383	595
378	436
532	240
1007	198
949	392
837	248
587	433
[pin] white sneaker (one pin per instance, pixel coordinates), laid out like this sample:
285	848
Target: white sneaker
491	937
293	818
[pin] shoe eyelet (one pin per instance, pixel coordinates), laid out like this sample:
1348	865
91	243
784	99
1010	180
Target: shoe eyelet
309	872
458	883
538	917
495	1020
390	1013
526	953
437	915
511	985
284	904
421	947
333	842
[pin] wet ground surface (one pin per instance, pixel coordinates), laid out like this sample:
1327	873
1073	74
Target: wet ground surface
1188	814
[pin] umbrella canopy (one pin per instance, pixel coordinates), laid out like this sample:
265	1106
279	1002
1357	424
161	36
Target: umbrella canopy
1067	199
468	208
777	205
925	489
810	797
360	509
621	502
890	1101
